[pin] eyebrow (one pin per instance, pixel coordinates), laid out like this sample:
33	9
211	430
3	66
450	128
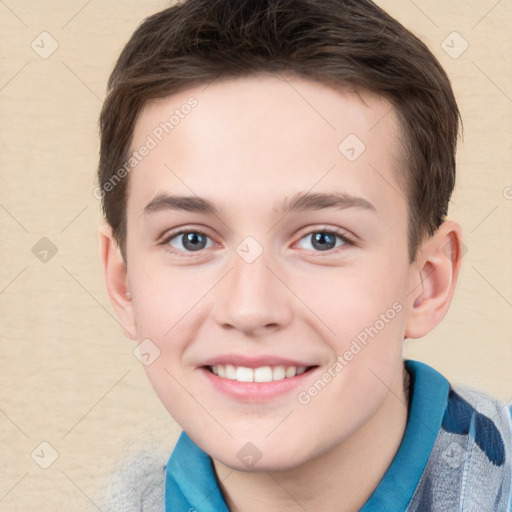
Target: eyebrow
299	202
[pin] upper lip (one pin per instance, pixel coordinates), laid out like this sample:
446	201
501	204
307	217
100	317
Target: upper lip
254	362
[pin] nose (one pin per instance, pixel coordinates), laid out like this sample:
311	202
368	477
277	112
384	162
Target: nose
252	299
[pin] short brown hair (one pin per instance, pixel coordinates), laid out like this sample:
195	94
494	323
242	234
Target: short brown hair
341	43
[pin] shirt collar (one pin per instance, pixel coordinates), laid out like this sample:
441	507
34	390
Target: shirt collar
429	396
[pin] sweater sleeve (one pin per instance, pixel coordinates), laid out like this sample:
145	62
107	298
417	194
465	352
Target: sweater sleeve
138	486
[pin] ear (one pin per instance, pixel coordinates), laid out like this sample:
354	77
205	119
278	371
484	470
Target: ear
114	269
435	274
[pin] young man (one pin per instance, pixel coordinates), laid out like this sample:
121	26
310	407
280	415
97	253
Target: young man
275	177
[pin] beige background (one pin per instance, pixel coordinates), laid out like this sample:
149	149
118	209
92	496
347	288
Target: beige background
67	375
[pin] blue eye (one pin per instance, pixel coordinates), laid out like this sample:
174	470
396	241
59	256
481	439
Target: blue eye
189	241
323	240
195	241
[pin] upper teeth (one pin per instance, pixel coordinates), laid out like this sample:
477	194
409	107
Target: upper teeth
261	374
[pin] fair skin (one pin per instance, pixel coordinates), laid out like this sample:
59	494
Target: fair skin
250	145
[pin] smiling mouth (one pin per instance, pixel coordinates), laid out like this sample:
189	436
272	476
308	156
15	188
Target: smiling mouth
260	374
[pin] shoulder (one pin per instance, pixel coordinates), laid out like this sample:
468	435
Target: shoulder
486	423
138	484
470	464
486	419
482	402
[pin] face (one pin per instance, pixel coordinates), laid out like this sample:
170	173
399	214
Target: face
268	263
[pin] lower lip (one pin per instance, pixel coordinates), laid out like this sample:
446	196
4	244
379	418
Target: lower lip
254	392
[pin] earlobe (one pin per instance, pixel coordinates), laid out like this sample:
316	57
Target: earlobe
437	269
116	280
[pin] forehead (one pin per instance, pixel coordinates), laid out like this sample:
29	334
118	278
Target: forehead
268	135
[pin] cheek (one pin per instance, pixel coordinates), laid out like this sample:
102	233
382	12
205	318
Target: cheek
363	319
372	341
164	299
345	302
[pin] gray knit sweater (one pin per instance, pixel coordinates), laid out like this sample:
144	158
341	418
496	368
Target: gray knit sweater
139	485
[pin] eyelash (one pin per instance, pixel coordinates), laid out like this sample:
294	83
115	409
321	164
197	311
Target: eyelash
347	241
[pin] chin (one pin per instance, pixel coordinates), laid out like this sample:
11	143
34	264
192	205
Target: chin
262	466
258	458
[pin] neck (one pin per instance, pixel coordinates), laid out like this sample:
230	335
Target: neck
340	480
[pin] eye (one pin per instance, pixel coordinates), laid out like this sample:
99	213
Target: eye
323	241
189	241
